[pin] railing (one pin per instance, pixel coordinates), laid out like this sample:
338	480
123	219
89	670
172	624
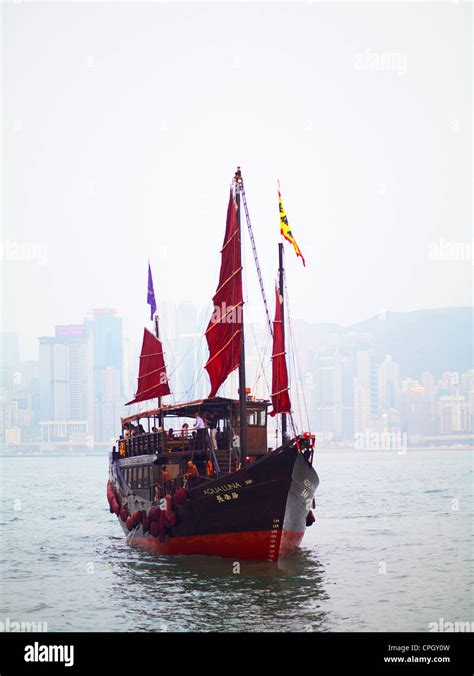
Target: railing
153	443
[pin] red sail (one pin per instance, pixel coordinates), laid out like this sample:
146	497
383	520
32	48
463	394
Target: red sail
280	397
224	330
152	378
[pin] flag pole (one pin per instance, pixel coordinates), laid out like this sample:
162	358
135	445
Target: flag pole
281	289
154	316
157	334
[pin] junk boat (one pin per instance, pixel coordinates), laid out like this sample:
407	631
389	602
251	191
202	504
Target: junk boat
212	486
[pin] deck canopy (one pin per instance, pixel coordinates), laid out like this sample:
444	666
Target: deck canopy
219	406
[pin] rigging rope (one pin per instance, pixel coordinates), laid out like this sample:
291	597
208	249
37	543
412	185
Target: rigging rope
296	366
255	256
261	371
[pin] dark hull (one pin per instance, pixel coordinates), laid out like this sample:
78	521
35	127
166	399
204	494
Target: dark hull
258	512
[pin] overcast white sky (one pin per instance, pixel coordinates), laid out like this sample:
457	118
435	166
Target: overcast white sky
123	124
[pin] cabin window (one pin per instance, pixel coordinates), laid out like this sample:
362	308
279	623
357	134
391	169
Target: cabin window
252	418
256	418
138	477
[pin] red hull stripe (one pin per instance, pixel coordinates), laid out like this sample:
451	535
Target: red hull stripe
264	545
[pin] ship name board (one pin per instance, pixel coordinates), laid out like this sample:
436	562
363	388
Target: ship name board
220	489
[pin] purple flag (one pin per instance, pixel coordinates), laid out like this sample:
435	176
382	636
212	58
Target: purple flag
150	299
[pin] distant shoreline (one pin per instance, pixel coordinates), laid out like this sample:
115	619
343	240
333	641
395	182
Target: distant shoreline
104	454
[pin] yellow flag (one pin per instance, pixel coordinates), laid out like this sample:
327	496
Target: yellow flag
285	228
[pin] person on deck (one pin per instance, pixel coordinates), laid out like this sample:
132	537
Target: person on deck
212	424
184	430
209	468
167	482
200	428
191	475
192	470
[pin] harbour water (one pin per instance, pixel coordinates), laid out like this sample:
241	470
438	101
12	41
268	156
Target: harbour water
390	551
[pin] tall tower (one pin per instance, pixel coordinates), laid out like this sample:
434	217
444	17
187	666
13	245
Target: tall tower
63	374
104	328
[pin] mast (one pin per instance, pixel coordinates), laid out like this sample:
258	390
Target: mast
281	288
242	382
157	334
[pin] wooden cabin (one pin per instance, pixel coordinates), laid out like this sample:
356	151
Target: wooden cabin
167	432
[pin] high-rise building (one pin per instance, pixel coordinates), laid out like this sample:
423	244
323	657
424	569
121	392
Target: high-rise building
454	414
467	389
328	372
388	384
449	383
190	381
347	396
9	416
362	417
104	328
467	381
365	391
108	404
428	382
81	378
63	374
414	408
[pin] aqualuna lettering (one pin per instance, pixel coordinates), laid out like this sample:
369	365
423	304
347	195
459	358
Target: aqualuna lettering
222	489
50	653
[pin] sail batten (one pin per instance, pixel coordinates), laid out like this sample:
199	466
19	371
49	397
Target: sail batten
224	340
280	389
152	376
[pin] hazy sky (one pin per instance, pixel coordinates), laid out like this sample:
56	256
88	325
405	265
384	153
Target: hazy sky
123	124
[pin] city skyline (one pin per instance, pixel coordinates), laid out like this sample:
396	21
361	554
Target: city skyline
340	389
